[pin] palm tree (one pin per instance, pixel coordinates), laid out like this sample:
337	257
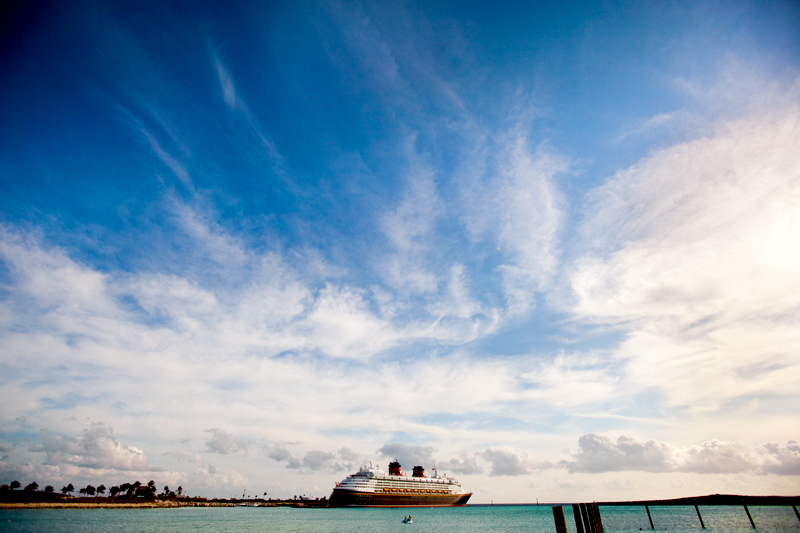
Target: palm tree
32	487
15	484
68	488
101	490
90	490
114	490
180	490
49	489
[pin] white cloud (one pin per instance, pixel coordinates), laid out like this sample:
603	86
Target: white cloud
185	457
695	255
409	230
96	447
212	476
226	83
572	379
511	202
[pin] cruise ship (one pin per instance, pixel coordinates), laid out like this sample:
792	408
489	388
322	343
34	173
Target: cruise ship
372	487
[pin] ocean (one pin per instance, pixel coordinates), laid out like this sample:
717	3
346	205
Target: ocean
502	518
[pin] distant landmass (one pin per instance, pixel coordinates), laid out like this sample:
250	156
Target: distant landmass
716	499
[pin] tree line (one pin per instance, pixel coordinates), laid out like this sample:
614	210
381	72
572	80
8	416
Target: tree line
125	489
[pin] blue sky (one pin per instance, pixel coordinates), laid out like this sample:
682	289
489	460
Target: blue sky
549	248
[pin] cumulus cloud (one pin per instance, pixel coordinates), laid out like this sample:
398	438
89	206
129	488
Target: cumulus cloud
212	476
408	455
276	452
782	460
465	464
223	442
506	461
598	453
314	460
97	448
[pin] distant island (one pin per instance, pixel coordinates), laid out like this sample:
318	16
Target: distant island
716	499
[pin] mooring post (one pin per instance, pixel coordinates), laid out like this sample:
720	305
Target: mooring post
576	511
558	516
587	523
795	511
599	519
750	517
592	517
646	508
700	517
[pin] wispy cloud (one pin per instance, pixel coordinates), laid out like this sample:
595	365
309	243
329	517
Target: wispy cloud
694	250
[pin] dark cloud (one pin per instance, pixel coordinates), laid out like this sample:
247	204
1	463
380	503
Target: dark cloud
314	460
466	465
409	455
598	453
276	452
507	462
349	455
223	442
782	460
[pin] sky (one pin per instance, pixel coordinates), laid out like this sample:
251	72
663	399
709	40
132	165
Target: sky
551	249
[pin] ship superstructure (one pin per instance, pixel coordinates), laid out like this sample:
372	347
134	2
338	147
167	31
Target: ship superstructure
372	487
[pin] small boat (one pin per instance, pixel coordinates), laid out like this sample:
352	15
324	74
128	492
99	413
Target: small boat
407	520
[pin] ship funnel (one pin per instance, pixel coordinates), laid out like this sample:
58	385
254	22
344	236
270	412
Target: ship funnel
418	472
394	469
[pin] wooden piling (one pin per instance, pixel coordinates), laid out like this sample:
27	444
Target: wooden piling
597	514
646	508
576	511
750	517
700	517
592	518
558	516
587	523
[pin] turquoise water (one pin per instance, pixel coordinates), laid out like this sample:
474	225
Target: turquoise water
534	519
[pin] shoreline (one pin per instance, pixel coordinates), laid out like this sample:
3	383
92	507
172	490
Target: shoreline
157	504
110	505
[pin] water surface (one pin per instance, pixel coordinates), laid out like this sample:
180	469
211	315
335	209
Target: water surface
527	518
